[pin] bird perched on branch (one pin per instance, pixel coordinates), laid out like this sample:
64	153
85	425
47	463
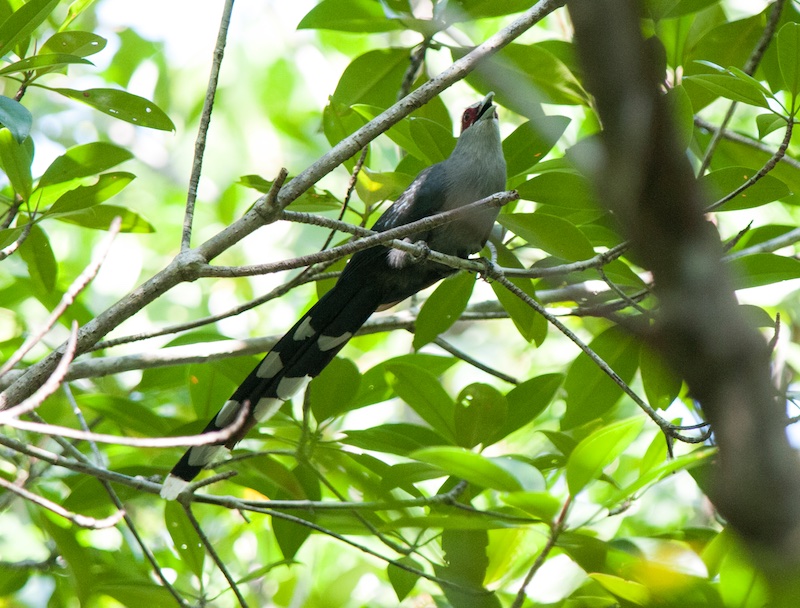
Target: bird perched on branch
375	278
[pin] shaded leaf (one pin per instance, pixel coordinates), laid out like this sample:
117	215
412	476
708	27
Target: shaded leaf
22	22
83	197
480	411
724	181
184	537
16	118
77	43
402	580
469	466
38	255
123	105
549	233
332	392
84	160
590	392
443	308
526	401
16	159
400	438
561	189
422	391
101	216
531	141
763	269
789	56
598	450
43	61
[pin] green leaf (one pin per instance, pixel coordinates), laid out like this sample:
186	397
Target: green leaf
663	9
22	22
422	391
184	537
661	385
83	161
590	392
543	505
15	160
16	118
549	233
526	401
561	189
443	308
530	324
38	255
83	197
730	87
77	43
789	56
374	187
768	123
375	386
631	591
763	269
312	200
124	106
101	216
372	78
598	450
332	392
467	561
466	10
400	438
531	141
402	580
723	181
43	61
547	78
469	466
432	139
348	16
480	412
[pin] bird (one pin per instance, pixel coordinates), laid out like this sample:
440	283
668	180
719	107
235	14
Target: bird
374	279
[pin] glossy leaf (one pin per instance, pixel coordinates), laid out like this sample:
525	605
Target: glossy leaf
526	401
789	56
443	308
43	61
38	255
82	44
400	438
83	197
631	591
723	181
424	393
372	78
763	269
731	87
467	561
16	118
598	450
403	581
543	505
16	160
101	216
124	106
665	9
469	466
530	324
661	385
84	160
348	16
590	392
332	392
531	141
560	189
768	123
549	233
432	139
23	22
480	411
184	537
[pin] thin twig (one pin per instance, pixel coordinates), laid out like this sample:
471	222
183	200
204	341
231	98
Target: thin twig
768	166
556	528
84	521
13	246
187	507
744	140
205	120
389	238
749	68
140	442
456	352
666	427
50	385
78	285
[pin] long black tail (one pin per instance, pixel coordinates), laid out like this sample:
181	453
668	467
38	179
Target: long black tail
301	354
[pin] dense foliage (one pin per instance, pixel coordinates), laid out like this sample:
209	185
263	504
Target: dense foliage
474	447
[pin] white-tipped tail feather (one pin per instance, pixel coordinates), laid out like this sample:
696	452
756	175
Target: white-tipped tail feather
172	487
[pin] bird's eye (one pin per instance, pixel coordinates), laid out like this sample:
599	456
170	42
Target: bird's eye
469	117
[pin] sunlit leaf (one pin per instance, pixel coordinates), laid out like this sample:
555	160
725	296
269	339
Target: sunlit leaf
16	118
123	105
23	21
